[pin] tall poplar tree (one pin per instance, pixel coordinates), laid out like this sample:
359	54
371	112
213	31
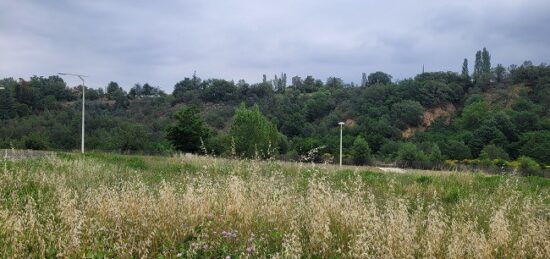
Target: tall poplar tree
477	66
465	72
485	61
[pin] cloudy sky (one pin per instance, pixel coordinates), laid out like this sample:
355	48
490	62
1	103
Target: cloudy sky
161	42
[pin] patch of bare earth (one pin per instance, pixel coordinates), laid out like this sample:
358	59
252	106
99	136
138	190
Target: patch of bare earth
429	117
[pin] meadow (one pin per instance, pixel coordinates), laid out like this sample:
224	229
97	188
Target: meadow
103	205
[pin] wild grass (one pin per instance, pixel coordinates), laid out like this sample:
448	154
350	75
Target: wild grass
102	205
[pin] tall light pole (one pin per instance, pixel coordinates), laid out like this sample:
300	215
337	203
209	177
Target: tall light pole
83	102
341	127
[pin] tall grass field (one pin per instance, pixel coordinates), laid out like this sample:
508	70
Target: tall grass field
111	206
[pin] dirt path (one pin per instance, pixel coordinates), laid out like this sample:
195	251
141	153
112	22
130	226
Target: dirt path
392	169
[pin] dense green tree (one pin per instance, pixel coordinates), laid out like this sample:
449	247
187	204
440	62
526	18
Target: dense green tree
360	151
485	61
121	99
487	133
389	149
432	93
310	85
334	82
187	89
218	90
303	146
465	72
493	152
456	150
188	130
435	154
7	104
541	94
318	106
408	152
35	141
407	113
253	134
129	137
478	66
135	91
474	114
112	89
525	121
379	77
536	145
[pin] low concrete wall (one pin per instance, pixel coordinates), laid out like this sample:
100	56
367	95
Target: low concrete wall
17	154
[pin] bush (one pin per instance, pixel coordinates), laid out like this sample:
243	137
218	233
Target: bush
409	153
493	152
35	142
456	150
528	166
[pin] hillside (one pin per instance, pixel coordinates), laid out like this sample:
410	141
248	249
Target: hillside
494	114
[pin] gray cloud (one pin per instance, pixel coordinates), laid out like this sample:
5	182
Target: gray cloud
161	42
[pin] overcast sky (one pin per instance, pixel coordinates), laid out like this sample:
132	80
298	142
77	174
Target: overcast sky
161	42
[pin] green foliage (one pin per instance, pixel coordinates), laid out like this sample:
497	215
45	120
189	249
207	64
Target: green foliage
389	149
187	90
188	131
129	137
465	72
35	142
409	153
360	151
493	152
7	104
254	135
528	166
456	150
121	99
435	154
407	113
474	114
379	78
503	114
112	88
139	91
536	145
217	90
318	106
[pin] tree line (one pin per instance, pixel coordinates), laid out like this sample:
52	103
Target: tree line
491	113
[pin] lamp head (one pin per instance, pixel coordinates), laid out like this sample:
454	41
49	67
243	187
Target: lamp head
340	123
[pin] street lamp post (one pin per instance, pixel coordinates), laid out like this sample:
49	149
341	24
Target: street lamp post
341	127
83	102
